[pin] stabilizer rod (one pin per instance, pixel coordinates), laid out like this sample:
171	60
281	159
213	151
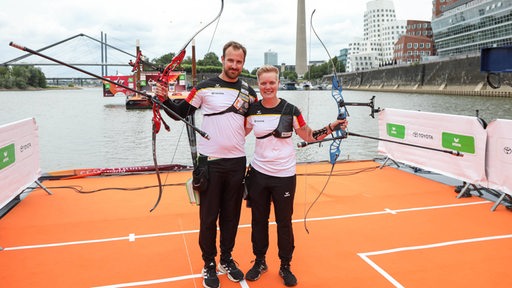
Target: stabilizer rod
454	153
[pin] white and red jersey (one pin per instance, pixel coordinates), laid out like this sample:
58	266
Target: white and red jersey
273	156
227	133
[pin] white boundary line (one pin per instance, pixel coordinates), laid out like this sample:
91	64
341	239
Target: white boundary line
149	282
389	211
365	255
242	283
132	237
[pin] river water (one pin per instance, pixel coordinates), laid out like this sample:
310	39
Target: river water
81	129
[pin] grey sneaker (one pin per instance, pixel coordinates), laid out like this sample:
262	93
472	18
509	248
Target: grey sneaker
210	279
257	269
287	275
231	269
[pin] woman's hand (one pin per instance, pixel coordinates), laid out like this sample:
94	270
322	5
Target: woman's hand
338	124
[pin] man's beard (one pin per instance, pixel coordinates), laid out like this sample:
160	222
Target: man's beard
232	74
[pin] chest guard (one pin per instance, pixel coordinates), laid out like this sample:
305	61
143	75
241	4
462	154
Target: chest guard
284	128
241	103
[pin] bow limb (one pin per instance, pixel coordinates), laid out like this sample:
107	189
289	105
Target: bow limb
157	118
157	171
335	147
336	93
181	55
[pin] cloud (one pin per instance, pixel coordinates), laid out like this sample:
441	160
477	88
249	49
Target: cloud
165	26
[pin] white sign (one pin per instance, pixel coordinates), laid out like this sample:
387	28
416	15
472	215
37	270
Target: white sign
19	158
437	135
499	155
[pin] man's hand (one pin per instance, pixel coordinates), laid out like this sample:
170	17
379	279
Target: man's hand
162	91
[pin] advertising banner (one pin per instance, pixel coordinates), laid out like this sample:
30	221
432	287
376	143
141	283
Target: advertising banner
499	155
19	158
443	132
111	90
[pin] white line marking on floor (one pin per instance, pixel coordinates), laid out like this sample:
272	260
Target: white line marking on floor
396	211
131	237
365	255
390	211
240	226
149	282
189	259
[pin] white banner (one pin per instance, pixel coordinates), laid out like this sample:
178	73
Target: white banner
437	131
499	155
19	158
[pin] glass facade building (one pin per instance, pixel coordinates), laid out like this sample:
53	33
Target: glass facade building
465	27
270	58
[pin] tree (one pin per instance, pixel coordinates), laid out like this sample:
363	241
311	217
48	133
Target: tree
22	77
210	59
162	61
290	75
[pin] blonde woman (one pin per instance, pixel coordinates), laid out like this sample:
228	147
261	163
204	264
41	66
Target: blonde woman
271	176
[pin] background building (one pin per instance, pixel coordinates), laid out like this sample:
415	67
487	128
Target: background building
270	58
342	57
464	27
458	28
301	63
391	32
379	28
415	44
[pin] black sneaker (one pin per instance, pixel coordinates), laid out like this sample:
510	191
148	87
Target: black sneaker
287	275
229	267
210	279
257	269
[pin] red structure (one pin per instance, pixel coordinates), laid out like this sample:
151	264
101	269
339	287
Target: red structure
415	44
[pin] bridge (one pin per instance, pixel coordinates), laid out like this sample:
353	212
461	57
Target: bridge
78	81
104	64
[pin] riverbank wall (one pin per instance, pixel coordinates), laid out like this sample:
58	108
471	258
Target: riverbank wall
451	77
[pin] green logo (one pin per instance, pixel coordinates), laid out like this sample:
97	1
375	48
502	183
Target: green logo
456	142
395	130
7	156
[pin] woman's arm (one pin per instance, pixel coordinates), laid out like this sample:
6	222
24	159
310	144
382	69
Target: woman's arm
307	134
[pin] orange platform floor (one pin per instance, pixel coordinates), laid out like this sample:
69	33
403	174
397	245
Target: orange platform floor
370	227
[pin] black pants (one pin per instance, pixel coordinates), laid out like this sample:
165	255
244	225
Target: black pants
264	190
222	200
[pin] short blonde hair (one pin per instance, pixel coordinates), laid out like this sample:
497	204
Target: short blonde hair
267	68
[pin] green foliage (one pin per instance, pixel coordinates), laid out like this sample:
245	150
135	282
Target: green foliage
290	75
210	59
164	59
318	71
21	77
209	64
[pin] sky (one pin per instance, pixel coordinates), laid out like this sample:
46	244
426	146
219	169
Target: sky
162	27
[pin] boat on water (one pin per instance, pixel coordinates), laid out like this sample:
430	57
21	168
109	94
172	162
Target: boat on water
368	223
138	101
177	81
289	86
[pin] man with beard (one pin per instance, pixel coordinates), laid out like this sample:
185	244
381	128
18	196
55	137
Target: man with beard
224	101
